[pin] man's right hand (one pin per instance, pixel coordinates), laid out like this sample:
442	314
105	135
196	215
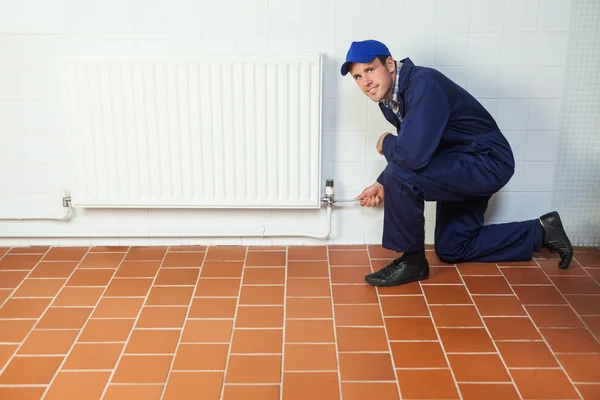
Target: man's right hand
372	196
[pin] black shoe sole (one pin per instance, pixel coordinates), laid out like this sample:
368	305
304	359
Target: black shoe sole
397	284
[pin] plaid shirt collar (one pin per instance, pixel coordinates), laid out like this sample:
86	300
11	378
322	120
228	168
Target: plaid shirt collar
394	104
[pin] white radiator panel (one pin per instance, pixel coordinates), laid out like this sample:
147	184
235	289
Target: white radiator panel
218	132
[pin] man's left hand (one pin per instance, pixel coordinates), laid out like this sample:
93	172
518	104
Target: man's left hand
380	142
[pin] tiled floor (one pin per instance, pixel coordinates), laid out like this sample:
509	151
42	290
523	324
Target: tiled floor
292	323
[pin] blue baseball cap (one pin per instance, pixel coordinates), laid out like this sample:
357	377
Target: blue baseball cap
364	52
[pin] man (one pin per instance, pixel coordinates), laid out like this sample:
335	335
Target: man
447	149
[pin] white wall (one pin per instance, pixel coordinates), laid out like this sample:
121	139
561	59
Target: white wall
510	54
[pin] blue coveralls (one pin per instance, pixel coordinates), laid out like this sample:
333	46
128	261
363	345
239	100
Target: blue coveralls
450	150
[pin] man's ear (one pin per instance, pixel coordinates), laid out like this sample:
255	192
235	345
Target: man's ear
390	64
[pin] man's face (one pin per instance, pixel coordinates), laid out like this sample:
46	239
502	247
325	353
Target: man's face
375	79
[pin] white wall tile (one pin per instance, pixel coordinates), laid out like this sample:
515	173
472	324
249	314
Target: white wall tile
548	82
520	15
373	232
427	12
487	15
185	16
541	146
346	114
491	106
516	182
518	49
51	16
456	74
251	17
538	176
544	115
420	48
451	49
515	82
453	16
17	16
379	29
349	177
118	16
151	16
554	15
485	49
517	141
373	170
217	17
513	114
349	146
482	82
551	48
285	17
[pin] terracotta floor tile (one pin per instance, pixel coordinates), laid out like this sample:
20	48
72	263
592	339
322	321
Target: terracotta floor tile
490	306
144	253
177	277
162	317
102	260
208	307
404	289
404	306
346	247
307	385
308	307
264	276
30	370
410	329
417	384
90	277
576	340
446	294
418	355
576	284
345	275
455	316
78	297
307	269
109	249
349	257
49	342
473	268
434	260
25	250
128	287
93	356
257	295
259	317
188	248
530	263
206	330
66	253
526	355
478	368
307	253
226	253
362	339
512	328
200	357
525	276
187	385
369	390
543	384
307	357
478	391
256	341
366	367
218	287
593	323
142	369
581	367
354	294
241	392
595	273
4	295
589	392
24	308
118	308
152	342
377	251
53	270
39	288
142	392
308	287
266	259
64	318
443	275
591	259
222	269
543	295
254	369
21	393
550	268
181	260
19	262
460	340
585	304
15	330
6	352
358	315
554	316
78	385
487	285
170	296
106	330
309	331
138	269
11	279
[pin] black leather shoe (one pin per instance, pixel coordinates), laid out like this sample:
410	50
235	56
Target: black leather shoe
555	238
400	271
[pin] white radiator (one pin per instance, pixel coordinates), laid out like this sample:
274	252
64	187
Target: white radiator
218	132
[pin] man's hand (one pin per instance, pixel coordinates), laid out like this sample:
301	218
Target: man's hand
371	196
380	142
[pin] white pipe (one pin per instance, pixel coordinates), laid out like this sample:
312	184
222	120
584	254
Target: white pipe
66	215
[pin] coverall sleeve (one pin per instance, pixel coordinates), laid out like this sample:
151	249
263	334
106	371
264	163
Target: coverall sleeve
428	111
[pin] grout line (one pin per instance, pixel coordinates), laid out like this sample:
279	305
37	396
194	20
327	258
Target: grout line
237	303
283	342
337	350
387	336
437	333
114	370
